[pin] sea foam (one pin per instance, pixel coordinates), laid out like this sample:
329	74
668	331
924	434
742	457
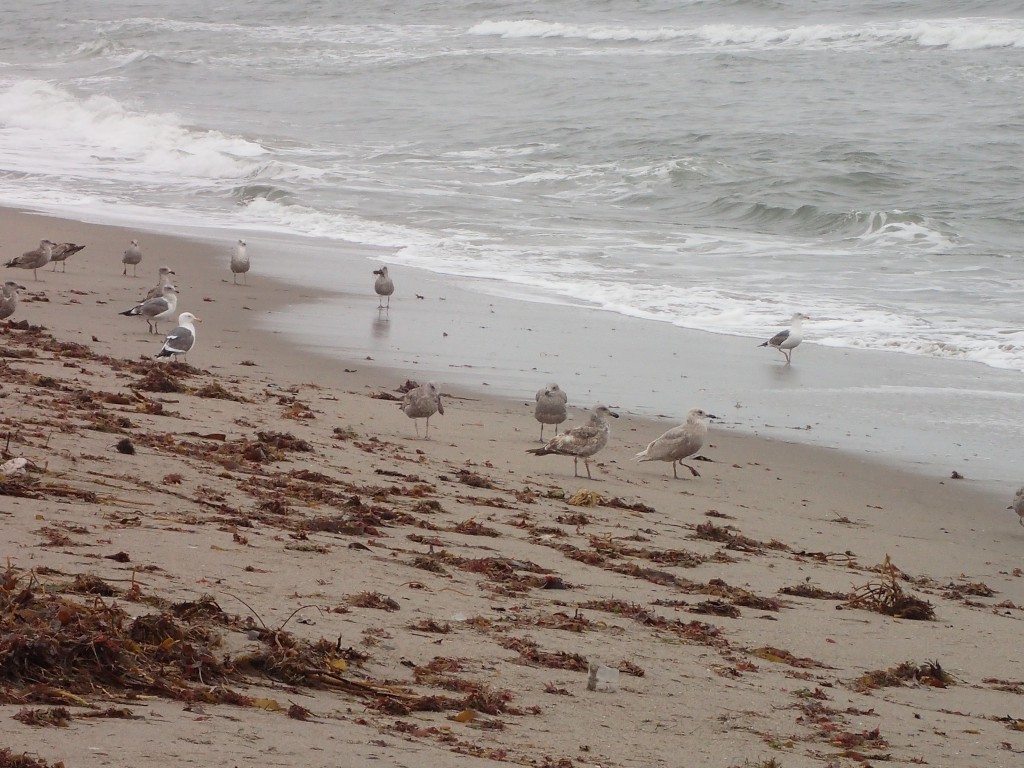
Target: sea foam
44	121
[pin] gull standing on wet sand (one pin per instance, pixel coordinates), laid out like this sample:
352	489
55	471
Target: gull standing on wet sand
679	442
132	256
550	407
1018	505
239	263
580	442
162	281
34	259
61	252
9	298
181	339
155	310
384	286
422	402
785	341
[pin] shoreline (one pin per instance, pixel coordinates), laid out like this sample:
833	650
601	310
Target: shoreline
699	561
924	415
286	365
292	317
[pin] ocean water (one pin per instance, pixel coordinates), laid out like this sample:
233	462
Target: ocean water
710	165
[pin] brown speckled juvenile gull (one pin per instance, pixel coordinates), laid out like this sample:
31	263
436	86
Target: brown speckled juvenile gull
9	298
163	279
155	310
580	442
239	263
33	259
785	341
61	252
383	285
1018	504
550	407
679	442
422	403
132	256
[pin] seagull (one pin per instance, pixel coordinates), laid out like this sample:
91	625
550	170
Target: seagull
383	285
785	341
550	407
239	263
580	442
132	256
1018	504
181	339
61	252
9	298
679	442
34	259
163	279
422	402
155	310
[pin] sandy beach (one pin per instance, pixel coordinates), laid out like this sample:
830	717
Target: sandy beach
281	572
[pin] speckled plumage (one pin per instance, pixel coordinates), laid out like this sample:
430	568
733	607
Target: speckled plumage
33	259
163	279
383	285
9	298
240	263
580	442
679	442
550	408
422	403
132	256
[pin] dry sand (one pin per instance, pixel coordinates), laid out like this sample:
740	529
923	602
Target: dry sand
454	574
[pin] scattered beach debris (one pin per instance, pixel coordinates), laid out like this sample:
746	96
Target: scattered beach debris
885	595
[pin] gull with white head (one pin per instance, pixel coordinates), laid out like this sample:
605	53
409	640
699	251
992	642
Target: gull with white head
181	339
786	341
154	310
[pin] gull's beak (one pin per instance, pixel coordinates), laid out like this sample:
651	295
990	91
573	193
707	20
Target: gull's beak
199	319
712	416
